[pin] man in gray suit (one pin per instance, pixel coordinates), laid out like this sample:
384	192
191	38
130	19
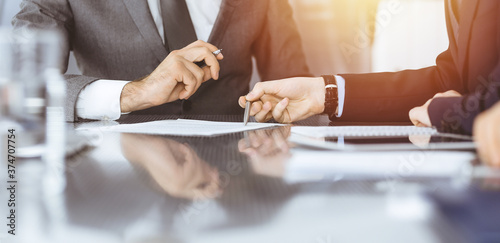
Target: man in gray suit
118	41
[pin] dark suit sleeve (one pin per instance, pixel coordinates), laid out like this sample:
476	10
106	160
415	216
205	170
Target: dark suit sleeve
382	97
54	15
457	114
278	49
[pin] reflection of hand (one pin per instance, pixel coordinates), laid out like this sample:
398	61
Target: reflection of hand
177	77
490	184
487	135
419	115
286	100
420	140
175	167
267	150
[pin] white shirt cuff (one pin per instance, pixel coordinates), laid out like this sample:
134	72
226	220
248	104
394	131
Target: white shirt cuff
100	100
341	93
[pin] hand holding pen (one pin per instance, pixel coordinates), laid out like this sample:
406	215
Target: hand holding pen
177	77
286	100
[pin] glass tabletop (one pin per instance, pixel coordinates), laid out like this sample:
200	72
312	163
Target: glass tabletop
243	187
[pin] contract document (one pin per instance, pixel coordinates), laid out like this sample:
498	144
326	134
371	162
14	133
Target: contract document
185	127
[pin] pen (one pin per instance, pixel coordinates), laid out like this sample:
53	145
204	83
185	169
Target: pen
202	64
247	113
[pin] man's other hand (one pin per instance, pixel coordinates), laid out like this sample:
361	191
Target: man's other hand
177	77
419	115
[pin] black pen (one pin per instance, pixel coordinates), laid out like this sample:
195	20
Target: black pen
202	64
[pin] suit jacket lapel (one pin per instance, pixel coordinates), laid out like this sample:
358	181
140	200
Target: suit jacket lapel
140	13
453	20
467	13
223	19
452	29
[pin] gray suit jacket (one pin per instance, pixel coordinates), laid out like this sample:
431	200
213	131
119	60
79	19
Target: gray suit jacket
117	39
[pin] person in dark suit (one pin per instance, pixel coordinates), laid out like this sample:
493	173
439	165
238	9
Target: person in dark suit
463	82
118	41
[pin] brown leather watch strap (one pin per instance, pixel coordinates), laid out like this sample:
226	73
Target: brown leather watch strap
331	96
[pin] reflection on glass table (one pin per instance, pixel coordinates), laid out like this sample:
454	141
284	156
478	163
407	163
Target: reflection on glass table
172	166
234	188
268	150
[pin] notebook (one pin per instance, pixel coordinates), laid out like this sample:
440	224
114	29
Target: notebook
363	131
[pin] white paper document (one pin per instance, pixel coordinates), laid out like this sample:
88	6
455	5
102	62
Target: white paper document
362	131
183	127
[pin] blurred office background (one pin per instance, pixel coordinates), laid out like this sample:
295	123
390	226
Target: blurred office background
353	36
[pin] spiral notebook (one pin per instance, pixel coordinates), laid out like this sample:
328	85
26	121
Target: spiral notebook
362	131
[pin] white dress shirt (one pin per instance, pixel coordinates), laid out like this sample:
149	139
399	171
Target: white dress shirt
100	100
341	93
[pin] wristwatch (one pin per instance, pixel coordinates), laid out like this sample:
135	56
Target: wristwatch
331	96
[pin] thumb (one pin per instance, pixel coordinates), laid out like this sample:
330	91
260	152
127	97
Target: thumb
413	114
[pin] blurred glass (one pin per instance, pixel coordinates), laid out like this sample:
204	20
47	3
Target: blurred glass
32	100
6	87
26	57
32	95
2	7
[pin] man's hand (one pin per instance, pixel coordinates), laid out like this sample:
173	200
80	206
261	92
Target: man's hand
177	77
267	150
419	115
487	135
286	100
173	166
